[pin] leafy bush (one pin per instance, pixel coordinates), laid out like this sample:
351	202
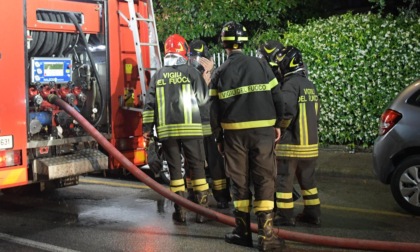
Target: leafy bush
359	63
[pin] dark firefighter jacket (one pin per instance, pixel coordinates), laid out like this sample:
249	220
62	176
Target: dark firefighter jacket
245	94
173	103
300	140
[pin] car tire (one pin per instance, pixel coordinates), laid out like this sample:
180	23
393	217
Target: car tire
405	184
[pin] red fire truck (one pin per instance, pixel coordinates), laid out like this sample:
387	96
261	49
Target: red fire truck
97	56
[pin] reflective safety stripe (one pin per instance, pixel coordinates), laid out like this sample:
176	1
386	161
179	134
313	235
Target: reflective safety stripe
297	151
200	185
303	125
248	125
232	38
148	116
206	129
213	92
285	205
160	99
177	185
263	205
284	195
187	103
312	191
311	202
177	182
248	89
13	176
177	130
219	184
242	205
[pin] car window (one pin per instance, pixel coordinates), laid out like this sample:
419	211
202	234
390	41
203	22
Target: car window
414	99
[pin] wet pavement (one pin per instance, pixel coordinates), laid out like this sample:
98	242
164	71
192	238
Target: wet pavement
115	215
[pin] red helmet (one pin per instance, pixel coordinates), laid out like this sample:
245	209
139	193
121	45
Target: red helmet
176	44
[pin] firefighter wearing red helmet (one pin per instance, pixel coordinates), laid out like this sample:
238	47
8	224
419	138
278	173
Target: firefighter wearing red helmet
297	151
245	114
173	107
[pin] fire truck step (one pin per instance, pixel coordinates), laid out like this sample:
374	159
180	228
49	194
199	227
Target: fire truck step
84	161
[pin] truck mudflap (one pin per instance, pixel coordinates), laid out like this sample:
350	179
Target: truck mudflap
81	162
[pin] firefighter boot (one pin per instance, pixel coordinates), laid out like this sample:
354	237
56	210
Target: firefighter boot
267	240
241	235
202	199
180	214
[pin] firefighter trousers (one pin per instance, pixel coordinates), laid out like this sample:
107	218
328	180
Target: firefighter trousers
249	156
304	170
194	155
216	166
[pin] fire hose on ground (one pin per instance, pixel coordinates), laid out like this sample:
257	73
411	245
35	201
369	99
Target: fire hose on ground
320	240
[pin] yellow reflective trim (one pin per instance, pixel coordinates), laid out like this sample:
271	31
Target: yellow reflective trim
312	191
311	202
187	103
177	182
263	87
148	116
285	205
206	129
302	151
213	92
195	182
160	100
177	189
219	184
284	195
242	205
263	205
303	125
295	147
201	188
17	176
248	125
174	130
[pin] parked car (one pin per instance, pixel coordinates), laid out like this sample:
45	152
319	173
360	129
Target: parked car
396	152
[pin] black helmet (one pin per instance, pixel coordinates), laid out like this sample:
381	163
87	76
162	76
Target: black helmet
289	60
198	48
233	35
268	51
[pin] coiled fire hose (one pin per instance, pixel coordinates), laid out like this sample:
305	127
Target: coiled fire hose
329	241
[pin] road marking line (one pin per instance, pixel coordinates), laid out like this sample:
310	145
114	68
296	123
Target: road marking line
92	181
33	244
360	210
350	209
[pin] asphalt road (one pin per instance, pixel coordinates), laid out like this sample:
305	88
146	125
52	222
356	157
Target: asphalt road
114	215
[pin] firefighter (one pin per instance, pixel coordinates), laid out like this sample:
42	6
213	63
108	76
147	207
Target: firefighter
200	58
245	114
268	51
297	150
173	101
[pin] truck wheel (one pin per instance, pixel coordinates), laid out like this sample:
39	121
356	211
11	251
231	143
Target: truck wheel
405	184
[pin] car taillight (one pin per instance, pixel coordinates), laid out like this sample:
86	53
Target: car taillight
388	120
10	158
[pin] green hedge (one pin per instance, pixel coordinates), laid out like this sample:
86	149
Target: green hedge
358	63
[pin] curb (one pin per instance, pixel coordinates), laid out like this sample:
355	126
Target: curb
339	161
